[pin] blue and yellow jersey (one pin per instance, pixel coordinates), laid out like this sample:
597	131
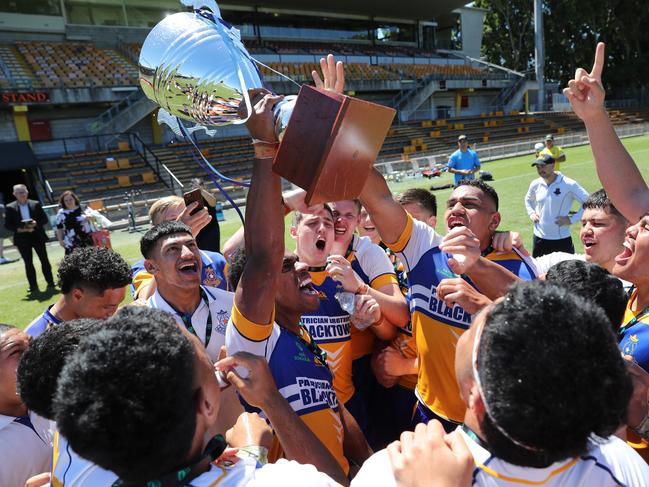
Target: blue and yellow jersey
371	264
438	327
634	341
213	273
329	326
302	378
42	323
515	262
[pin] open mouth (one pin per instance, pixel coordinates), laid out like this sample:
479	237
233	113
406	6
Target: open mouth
455	222
321	244
588	243
339	231
188	267
625	255
306	287
369	229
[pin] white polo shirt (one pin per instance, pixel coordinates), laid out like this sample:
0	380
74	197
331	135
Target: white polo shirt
219	309
609	463
71	470
25	448
552	201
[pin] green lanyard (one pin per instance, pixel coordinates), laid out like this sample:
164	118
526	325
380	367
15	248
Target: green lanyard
214	449
318	353
187	319
633	321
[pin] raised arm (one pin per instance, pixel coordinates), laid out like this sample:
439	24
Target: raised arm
264	236
388	215
259	389
616	170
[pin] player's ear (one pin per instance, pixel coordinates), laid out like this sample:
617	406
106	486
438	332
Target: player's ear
432	221
150	266
495	221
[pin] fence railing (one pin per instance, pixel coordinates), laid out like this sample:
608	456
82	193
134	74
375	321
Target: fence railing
486	153
154	162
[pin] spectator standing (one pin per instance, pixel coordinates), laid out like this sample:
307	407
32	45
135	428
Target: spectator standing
553	150
548	202
209	237
464	162
26	219
73	229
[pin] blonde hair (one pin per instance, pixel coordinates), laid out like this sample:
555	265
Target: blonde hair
160	207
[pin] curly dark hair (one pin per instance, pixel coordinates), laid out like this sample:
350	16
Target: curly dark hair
155	233
552	375
482	186
125	399
593	282
91	267
41	364
235	267
422	196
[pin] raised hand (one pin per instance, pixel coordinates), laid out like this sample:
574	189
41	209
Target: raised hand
465	247
458	291
333	73
586	91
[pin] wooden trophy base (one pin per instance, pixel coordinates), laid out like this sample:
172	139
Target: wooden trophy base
331	143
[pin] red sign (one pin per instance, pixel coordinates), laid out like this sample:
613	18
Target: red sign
11	97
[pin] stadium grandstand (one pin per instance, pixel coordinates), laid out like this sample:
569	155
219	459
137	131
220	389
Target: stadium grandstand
69	88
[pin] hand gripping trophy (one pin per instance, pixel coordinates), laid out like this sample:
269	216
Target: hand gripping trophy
195	67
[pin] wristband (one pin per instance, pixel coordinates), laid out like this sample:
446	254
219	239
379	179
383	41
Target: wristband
265	150
362	289
259	453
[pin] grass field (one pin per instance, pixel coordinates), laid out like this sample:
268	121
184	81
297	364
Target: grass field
511	180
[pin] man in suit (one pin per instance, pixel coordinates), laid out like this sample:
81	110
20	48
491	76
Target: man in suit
26	219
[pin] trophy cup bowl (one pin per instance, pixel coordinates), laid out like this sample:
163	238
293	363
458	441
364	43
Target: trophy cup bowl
194	66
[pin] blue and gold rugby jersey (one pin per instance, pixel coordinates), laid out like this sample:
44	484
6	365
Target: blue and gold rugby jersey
42	323
438	327
302	379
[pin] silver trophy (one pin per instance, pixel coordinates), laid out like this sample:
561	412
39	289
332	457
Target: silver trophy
195	67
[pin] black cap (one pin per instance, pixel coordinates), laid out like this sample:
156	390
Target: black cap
543	160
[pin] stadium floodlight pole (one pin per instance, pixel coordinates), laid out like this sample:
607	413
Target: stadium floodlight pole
539	53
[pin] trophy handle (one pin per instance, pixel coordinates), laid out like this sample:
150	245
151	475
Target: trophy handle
198	4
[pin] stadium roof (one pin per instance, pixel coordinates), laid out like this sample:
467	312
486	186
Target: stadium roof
404	9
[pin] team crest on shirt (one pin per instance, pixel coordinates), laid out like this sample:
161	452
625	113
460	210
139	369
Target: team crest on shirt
630	345
210	278
222	318
557	191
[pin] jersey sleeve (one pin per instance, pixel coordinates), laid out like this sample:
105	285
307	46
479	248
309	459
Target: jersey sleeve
139	278
377	266
416	239
452	161
546	261
622	462
242	335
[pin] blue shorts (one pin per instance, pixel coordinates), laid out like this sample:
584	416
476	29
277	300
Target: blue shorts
424	415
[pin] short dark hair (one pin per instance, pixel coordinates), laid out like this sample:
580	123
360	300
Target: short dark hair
419	196
235	267
62	198
92	267
482	186
599	201
125	399
298	215
157	232
552	375
40	365
591	281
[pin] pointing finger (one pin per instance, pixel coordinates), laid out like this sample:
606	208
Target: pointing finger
598	65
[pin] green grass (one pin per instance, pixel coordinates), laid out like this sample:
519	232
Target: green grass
511	180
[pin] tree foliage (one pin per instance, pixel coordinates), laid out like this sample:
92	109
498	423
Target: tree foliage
572	29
